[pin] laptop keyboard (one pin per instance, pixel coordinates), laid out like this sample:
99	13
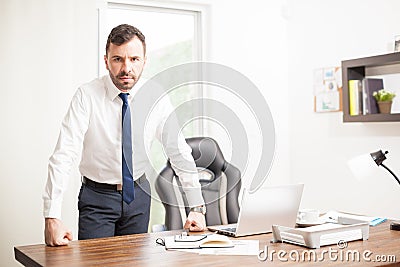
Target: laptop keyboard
230	231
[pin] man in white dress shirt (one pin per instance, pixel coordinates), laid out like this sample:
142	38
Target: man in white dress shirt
92	126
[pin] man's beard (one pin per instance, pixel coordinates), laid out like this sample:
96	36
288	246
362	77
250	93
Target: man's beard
123	85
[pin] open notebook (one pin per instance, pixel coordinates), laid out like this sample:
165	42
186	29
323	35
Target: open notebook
197	241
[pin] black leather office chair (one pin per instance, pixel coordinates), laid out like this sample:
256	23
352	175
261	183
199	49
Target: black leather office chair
220	181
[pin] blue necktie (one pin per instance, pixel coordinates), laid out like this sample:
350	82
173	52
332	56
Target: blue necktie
127	179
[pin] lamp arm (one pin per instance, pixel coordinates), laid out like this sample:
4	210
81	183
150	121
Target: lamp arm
392	173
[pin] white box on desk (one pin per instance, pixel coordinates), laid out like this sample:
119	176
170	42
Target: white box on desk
321	235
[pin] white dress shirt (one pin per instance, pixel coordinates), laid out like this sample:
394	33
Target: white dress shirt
93	126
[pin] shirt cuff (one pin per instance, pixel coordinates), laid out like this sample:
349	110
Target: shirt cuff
194	197
52	208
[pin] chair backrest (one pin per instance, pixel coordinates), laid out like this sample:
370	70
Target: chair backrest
220	181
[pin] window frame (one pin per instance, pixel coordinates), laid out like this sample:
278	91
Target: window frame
201	30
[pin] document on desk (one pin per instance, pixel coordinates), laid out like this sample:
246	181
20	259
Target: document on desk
242	247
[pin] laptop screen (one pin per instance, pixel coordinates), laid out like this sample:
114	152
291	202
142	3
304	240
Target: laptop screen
267	206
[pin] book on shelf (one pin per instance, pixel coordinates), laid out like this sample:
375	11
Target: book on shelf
369	86
355	97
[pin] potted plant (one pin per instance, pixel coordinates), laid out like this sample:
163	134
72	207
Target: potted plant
384	99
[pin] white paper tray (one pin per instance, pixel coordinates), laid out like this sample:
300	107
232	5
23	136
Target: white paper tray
321	235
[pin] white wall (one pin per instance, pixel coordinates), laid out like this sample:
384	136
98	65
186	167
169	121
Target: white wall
321	34
251	38
49	47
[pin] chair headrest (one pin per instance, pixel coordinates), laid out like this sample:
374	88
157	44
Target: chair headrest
207	154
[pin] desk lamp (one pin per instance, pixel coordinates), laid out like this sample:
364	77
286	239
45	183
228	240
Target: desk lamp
379	157
361	166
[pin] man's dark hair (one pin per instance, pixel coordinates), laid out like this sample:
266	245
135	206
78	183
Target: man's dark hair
124	33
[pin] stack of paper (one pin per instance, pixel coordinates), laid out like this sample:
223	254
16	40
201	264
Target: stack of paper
345	218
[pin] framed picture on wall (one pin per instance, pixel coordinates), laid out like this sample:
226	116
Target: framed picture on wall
328	89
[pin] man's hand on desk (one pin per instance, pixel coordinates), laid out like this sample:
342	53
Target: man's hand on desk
55	233
195	222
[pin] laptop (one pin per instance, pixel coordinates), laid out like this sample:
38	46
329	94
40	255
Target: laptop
262	209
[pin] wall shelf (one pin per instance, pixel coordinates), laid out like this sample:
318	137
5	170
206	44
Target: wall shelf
357	69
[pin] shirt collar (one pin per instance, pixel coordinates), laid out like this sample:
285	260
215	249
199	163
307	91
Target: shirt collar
113	91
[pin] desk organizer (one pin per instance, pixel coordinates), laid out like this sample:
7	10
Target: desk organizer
321	235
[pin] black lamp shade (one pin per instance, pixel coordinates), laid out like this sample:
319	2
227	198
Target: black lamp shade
378	157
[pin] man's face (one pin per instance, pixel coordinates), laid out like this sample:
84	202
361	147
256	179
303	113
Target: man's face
125	63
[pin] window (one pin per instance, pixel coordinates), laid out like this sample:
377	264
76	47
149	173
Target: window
174	35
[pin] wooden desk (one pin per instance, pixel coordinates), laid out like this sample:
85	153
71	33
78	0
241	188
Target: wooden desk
142	250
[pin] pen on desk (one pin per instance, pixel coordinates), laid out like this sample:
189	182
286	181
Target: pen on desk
333	219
